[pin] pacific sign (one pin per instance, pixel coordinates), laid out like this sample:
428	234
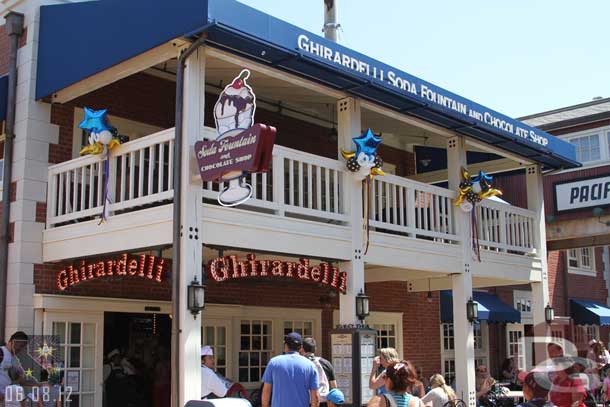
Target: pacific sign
229	268
582	194
143	266
425	92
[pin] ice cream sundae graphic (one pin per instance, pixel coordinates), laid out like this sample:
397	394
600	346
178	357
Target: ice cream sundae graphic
235	107
233	114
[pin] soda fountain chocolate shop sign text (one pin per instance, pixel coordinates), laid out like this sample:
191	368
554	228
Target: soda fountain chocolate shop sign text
419	89
248	151
229	268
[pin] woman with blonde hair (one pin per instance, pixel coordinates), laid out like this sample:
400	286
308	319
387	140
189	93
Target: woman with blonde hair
377	379
440	393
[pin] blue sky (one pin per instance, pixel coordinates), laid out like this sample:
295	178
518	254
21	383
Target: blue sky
518	57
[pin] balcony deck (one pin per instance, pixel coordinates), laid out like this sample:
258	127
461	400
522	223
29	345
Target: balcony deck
299	207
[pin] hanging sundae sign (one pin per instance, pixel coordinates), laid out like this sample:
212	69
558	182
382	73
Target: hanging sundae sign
241	147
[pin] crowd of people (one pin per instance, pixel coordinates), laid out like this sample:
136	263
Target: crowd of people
564	381
301	378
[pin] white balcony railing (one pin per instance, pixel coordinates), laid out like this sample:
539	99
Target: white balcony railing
505	228
415	209
298	185
139	174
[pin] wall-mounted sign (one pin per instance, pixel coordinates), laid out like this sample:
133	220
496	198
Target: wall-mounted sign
142	266
582	194
249	151
241	146
230	268
422	91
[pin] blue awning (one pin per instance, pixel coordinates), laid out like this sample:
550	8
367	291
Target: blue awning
491	308
586	312
132	27
3	96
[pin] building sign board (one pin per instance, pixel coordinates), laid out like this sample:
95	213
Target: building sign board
582	194
423	91
241	147
142	266
249	151
230	268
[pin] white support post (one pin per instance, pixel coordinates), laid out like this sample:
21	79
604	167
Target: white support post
461	283
540	290
191	236
349	116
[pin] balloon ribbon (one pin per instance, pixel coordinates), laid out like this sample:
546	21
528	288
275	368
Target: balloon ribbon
476	248
106	174
367	213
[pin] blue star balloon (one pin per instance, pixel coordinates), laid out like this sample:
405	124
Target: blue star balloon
482	177
367	143
95	120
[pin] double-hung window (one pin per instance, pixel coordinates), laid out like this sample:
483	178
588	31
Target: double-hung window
581	261
587	147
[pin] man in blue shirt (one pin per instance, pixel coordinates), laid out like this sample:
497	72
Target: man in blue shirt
290	380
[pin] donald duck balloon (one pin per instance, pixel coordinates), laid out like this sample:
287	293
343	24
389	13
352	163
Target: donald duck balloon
101	137
473	190
364	162
101	140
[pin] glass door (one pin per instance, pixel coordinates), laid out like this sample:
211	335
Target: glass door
215	334
80	352
515	345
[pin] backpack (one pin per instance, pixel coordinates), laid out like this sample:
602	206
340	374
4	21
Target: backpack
324	388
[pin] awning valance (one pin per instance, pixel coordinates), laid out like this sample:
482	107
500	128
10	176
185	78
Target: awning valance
585	312
491	308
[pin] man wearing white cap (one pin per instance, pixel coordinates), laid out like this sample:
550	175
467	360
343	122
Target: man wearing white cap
211	384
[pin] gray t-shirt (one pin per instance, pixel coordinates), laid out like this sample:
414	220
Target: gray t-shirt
8	361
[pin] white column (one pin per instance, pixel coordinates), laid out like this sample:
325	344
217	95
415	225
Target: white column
349	126
33	135
191	237
461	283
540	290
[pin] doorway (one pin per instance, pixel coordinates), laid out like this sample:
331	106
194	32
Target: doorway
137	359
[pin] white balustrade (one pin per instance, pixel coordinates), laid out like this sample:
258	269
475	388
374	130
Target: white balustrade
298	185
400	205
505	228
139	173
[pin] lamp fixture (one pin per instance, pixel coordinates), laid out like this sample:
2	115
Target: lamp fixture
549	314
472	311
362	306
196	297
429	296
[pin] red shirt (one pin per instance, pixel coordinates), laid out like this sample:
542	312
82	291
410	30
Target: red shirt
565	392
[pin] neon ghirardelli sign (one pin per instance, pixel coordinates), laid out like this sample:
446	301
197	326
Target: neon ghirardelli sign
140	266
230	268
